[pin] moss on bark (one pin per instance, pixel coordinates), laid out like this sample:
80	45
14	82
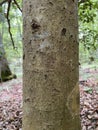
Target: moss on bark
6	75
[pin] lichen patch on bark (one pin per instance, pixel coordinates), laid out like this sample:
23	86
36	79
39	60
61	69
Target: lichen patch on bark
73	101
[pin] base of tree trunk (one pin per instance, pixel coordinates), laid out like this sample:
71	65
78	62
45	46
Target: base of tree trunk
6	78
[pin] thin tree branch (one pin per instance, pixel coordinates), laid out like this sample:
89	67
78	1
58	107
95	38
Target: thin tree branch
4	1
7	16
15	2
9	25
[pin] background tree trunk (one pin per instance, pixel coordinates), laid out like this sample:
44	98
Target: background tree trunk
50	65
5	72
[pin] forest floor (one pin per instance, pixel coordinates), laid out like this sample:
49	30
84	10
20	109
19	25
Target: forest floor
11	102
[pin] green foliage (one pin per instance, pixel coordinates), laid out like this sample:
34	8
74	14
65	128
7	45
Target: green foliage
88	28
87	11
88	90
14	56
89	38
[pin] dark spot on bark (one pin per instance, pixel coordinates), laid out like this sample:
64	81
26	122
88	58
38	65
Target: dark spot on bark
30	8
23	56
73	0
71	13
45	76
27	100
51	3
63	32
34	57
79	63
60	41
56	90
43	40
35	26
71	36
74	41
64	8
72	69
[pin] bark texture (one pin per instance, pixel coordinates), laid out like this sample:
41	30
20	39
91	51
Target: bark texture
50	65
5	72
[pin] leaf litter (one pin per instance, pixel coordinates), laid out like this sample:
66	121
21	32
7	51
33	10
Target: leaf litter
11	102
11	105
89	99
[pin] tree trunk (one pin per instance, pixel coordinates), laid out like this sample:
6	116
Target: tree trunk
5	72
50	65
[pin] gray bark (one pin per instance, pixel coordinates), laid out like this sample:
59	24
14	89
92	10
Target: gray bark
50	65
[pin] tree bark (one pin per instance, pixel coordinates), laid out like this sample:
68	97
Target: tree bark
50	65
5	72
